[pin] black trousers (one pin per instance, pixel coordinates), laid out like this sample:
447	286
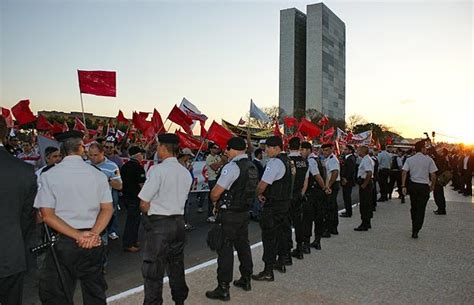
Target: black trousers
384	174
85	265
347	196
365	207
419	196
273	223
296	220
164	246
374	193
132	224
467	183
332	216
11	289
313	211
439	198
236	235
395	178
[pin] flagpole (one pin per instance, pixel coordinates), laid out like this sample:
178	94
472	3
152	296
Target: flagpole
163	126
83	115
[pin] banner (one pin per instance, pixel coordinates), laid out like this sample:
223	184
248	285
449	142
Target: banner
200	177
363	138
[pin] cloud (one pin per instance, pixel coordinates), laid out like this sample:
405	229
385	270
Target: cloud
407	101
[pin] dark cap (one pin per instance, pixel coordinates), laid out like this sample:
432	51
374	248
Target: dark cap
71	134
168	138
306	145
135	150
274	141
326	145
236	143
351	148
294	143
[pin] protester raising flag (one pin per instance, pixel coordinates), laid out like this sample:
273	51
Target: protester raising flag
219	135
22	112
79	125
179	117
192	111
258	114
100	83
43	124
121	118
8	117
290	121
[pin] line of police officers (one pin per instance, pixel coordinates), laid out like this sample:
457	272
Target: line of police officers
296	189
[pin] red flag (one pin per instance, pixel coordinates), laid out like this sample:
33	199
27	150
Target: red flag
43	124
324	121
143	115
290	121
57	128
203	130
139	122
78	125
149	133
8	117
329	133
389	140
22	112
219	135
179	117
100	83
309	128
188	141
121	118
157	122
276	130
349	136
241	122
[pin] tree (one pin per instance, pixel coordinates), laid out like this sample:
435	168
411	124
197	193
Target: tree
354	120
272	112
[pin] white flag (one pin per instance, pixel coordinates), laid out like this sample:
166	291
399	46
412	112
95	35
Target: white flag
192	111
258	114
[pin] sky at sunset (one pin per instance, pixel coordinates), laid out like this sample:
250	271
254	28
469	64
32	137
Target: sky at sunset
409	64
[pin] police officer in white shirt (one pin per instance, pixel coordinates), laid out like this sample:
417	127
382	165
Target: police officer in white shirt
364	180
384	159
333	178
163	197
75	201
233	196
422	181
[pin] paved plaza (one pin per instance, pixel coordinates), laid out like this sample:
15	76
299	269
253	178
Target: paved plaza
382	266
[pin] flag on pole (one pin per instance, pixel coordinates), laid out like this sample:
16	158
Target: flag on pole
276	130
157	122
121	118
187	141
182	119
139	122
143	114
101	83
323	121
258	114
8	117
192	111
43	124
219	135
241	122
203	130
309	128
290	121
22	112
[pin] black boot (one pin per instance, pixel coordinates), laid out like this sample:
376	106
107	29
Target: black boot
298	253
362	227
287	260
265	275
244	283
306	248
220	293
280	266
316	244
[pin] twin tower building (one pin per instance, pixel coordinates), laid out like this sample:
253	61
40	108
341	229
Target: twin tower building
312	62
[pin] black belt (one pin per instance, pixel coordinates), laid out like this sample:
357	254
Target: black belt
160	217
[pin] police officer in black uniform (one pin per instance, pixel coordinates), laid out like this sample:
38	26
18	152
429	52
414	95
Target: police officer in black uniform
274	192
299	189
314	207
233	196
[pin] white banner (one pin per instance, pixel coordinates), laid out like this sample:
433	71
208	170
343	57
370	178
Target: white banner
363	138
200	177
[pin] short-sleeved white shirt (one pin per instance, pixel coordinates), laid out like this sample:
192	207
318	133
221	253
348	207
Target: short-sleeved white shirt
166	188
420	167
366	165
313	167
274	170
75	190
332	164
230	172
